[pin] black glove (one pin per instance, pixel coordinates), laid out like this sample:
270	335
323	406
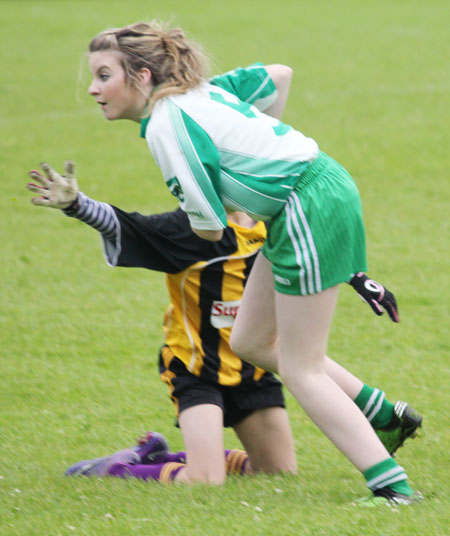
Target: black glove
375	295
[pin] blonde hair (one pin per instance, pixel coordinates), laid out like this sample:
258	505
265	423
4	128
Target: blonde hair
177	64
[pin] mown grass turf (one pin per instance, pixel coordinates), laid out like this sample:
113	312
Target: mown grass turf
79	340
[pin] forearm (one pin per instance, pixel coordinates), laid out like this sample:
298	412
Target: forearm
98	215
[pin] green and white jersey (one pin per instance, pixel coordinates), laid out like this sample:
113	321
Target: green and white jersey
219	153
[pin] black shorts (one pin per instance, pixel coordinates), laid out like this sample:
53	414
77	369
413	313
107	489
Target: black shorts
237	402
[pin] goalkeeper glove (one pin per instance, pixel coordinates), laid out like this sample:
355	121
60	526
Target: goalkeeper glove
377	296
55	190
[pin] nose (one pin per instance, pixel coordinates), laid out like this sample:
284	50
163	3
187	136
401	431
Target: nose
93	89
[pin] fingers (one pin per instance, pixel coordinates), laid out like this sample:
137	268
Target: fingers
36	189
391	308
39	177
43	193
69	169
42	190
50	172
376	307
54	190
390	304
41	201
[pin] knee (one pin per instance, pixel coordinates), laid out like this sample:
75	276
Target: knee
296	378
251	346
238	344
286	467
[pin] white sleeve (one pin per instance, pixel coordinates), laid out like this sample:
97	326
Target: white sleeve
190	164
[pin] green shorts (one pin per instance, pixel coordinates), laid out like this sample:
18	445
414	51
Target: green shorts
318	239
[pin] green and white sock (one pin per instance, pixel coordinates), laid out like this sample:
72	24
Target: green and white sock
388	474
372	402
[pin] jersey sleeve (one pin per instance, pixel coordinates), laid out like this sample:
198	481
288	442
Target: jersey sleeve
161	242
190	164
251	84
164	242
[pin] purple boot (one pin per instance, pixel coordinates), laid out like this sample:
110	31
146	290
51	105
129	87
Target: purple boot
151	448
101	466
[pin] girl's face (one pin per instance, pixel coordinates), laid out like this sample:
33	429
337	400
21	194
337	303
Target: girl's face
111	90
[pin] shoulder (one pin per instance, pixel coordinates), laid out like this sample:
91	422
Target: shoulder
240	75
252	84
167	109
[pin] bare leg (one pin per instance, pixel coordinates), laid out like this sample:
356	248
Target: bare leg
254	335
303	324
255	339
350	384
202	429
266	436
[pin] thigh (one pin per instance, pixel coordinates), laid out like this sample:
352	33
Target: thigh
303	324
266	436
202	429
254	336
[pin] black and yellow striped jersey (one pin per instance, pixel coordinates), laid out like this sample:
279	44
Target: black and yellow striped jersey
205	282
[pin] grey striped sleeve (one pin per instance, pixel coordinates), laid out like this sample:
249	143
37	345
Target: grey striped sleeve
98	215
103	219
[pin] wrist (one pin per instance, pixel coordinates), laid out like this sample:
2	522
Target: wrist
74	205
357	279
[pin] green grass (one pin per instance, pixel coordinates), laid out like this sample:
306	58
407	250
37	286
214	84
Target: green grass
78	340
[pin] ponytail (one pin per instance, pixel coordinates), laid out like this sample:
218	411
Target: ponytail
176	63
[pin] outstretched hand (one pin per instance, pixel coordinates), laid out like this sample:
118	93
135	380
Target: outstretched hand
377	296
54	190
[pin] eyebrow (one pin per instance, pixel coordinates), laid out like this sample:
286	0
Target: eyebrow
99	69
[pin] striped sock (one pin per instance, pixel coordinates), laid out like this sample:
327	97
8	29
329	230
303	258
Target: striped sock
372	402
235	462
163	472
387	474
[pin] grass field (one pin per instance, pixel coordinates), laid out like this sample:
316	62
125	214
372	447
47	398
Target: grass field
78	340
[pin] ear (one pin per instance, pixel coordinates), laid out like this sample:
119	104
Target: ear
145	76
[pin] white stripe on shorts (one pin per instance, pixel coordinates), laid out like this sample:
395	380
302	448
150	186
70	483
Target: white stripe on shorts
294	241
293	212
310	239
